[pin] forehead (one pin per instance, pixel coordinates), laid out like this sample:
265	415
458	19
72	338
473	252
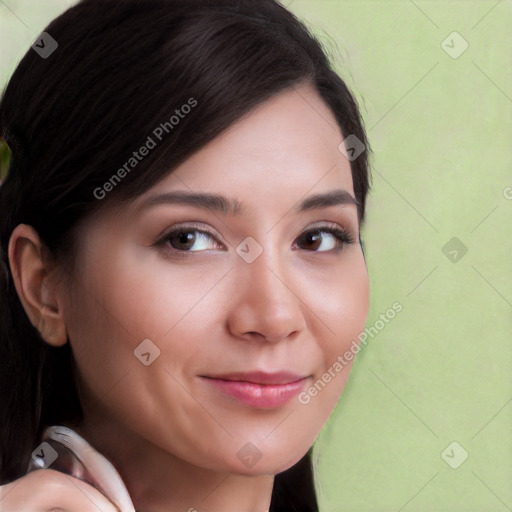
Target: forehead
283	149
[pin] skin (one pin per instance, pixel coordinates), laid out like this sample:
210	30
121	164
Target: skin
174	437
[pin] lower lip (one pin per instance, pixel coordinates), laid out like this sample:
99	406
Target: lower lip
263	396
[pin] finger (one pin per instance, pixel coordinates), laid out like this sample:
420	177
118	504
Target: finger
44	490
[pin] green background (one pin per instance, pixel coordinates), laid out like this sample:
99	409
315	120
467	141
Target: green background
440	128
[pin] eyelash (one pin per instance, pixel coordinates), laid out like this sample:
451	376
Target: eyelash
342	236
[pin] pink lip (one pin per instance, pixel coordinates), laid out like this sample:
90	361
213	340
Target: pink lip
260	389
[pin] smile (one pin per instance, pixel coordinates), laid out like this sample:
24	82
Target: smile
258	389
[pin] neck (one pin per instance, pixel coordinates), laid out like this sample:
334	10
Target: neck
158	481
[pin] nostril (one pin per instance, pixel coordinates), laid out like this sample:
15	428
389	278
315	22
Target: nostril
254	334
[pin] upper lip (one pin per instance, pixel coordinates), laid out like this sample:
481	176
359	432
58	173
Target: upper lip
260	377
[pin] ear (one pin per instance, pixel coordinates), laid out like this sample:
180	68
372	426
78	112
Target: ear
33	281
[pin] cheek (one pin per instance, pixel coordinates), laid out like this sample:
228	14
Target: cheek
341	308
353	306
119	304
139	298
341	305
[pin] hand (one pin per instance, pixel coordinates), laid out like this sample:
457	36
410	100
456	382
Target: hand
46	490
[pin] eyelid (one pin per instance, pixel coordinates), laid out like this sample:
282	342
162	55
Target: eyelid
323	224
330	223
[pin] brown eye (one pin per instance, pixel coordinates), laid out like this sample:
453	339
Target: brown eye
324	239
182	240
188	239
311	240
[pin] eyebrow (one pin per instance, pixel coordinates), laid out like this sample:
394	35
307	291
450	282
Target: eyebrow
222	204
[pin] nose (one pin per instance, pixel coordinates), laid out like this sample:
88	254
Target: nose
264	304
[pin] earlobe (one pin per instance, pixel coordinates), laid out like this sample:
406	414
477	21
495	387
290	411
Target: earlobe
36	291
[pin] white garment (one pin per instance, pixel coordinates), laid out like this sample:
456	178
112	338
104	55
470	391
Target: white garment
71	454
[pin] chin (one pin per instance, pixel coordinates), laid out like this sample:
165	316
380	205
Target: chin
271	464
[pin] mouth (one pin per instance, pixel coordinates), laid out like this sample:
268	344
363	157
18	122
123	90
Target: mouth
258	389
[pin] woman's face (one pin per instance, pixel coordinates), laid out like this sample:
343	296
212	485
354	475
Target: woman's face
231	296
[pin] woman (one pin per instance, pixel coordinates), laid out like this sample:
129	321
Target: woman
180	258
